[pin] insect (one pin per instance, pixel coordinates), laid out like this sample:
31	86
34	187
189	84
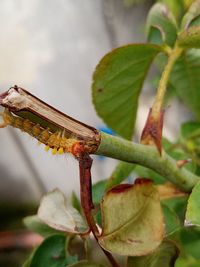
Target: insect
57	141
48	125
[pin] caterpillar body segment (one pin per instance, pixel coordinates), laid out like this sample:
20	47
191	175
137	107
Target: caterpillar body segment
2	124
56	141
7	119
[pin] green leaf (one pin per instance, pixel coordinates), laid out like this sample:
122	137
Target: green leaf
117	82
146	172
178	153
51	253
187	262
56	212
120	173
160	18
177	7
185	78
190	140
155	35
191	15
165	255
132	219
190	137
190	129
75	202
27	263
36	225
178	206
190	38
172	223
86	264
98	191
190	241
195	22
193	207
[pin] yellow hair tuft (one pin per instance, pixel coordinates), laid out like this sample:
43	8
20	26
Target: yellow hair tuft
54	151
60	150
46	148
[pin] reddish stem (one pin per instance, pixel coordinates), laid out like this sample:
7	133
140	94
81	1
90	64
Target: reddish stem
85	163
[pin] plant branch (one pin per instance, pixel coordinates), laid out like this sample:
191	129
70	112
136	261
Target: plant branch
162	87
85	163
109	146
148	156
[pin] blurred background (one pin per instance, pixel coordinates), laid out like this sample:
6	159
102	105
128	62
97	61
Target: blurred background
51	49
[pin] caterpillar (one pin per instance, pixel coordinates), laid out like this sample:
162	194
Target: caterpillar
48	125
57	141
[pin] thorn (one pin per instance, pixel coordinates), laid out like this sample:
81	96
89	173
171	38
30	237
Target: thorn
182	162
152	132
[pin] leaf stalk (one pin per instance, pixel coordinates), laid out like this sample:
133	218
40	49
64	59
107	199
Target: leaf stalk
162	87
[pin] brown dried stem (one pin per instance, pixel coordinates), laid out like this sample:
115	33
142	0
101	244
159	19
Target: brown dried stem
85	163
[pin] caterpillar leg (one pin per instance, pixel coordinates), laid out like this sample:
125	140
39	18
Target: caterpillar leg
3	124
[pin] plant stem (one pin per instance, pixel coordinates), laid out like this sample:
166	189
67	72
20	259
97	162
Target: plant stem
162	87
148	156
85	163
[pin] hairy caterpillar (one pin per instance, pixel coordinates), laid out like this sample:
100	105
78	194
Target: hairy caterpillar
48	125
57	141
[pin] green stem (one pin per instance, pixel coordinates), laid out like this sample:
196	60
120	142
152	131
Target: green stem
148	156
162	87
